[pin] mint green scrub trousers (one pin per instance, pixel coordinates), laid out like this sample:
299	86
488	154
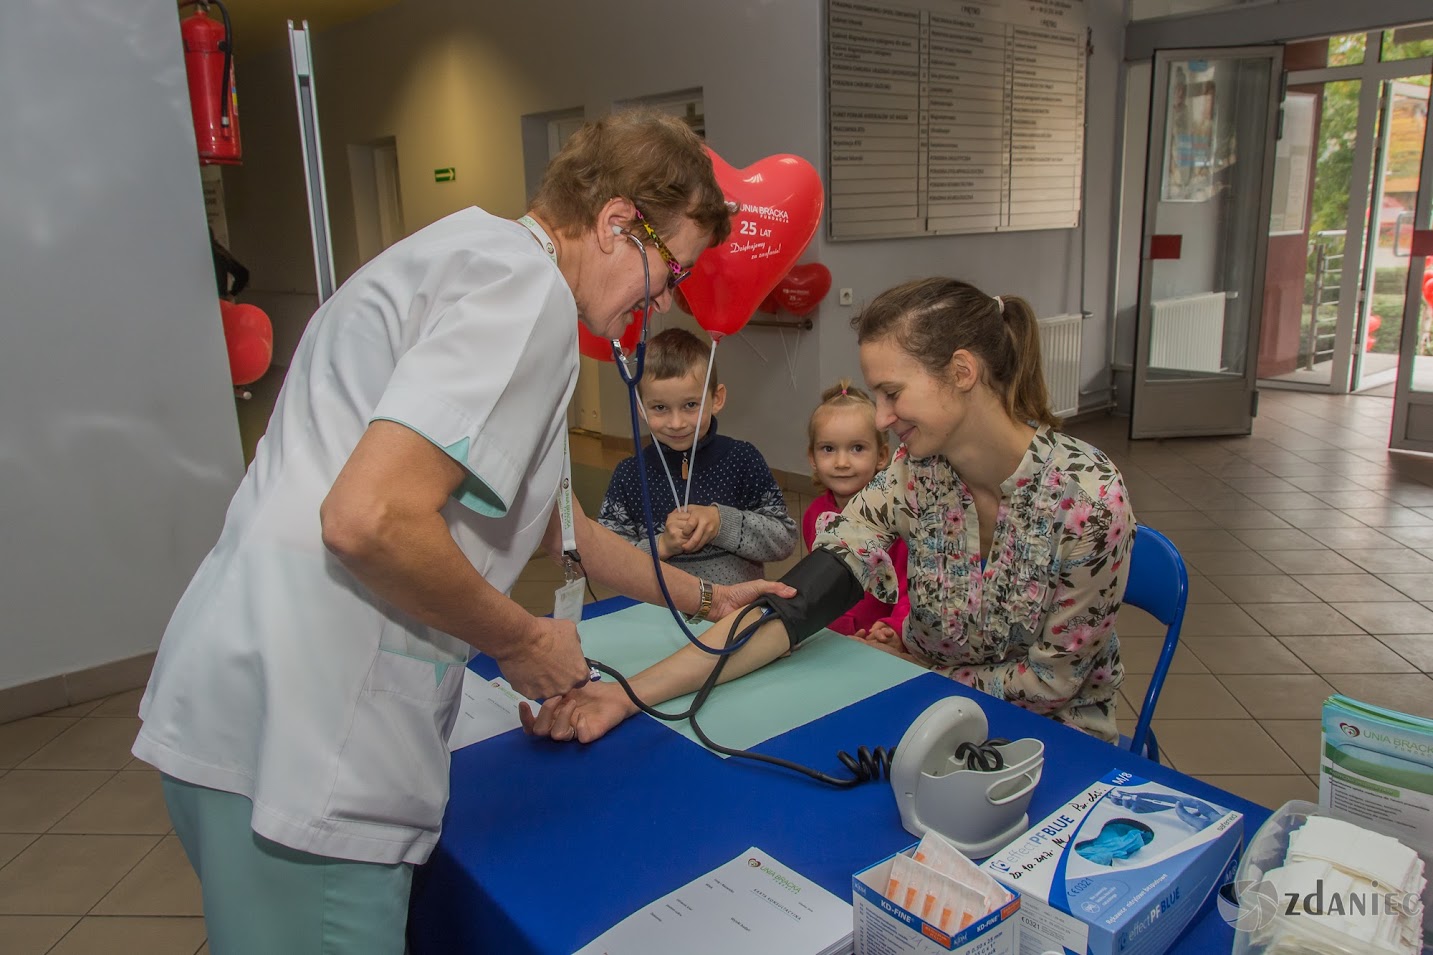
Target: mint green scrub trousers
263	898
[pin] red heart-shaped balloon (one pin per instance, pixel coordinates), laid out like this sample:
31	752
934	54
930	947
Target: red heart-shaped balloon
780	200
804	287
771	305
601	348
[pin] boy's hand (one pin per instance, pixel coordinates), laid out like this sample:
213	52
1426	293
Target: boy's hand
673	538
706	522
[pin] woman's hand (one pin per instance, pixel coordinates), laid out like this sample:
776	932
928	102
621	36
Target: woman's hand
584	714
727	599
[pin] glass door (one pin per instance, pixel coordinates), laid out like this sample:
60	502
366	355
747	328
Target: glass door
1208	189
1402	123
1413	398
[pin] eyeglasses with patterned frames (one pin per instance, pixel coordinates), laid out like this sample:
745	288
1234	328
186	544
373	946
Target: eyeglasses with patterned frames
679	274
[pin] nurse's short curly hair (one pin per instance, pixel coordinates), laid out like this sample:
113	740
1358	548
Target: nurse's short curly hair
654	160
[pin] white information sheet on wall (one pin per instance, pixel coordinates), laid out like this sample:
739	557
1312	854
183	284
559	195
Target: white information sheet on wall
953	116
752	905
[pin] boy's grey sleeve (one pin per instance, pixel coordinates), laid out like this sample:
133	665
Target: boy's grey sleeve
761	536
763	531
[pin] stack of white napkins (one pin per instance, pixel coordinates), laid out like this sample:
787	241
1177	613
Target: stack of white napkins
939	884
1352	891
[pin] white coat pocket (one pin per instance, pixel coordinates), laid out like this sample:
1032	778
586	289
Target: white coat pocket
393	768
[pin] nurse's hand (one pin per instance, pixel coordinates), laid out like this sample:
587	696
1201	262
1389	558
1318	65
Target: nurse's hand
584	714
546	661
727	599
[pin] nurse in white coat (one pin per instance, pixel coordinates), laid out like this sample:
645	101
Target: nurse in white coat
300	705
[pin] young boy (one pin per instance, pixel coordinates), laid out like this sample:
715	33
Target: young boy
737	519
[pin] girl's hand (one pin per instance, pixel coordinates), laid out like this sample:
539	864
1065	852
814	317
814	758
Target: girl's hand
881	634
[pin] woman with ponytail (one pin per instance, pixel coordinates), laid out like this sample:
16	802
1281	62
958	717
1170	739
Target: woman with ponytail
1018	536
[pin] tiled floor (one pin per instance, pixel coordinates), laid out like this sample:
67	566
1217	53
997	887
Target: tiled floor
1311	553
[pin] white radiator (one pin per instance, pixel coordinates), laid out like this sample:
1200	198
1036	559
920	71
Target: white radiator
1060	358
1187	333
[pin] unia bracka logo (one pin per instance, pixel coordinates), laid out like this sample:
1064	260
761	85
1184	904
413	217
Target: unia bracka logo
754	862
1349	730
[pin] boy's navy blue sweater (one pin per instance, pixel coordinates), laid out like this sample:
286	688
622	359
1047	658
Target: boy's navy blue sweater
731	474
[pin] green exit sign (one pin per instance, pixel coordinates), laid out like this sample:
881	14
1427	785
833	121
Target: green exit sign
445	175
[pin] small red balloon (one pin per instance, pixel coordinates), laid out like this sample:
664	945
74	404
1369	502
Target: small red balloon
601	348
804	287
1428	287
780	199
249	337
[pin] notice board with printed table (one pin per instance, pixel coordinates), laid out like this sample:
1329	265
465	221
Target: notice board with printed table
954	116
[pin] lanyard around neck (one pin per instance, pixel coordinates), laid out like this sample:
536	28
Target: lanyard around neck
564	501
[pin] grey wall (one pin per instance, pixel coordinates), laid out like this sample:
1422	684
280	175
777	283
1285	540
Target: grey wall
451	82
119	446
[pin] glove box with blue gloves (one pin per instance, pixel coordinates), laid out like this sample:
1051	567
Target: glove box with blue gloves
1121	868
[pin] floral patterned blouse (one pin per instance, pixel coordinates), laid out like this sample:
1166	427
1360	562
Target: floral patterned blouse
1036	624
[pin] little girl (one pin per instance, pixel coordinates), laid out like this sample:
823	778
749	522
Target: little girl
846	450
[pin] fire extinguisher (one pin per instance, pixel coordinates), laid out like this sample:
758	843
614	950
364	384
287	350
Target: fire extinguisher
209	62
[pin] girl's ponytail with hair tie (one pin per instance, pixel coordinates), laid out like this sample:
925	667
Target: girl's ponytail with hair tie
999	303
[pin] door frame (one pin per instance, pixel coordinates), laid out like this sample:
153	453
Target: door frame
1228	401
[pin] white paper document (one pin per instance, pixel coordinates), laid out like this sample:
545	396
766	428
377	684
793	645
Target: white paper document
489	708
753	905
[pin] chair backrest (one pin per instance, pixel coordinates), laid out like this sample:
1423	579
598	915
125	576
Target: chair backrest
1158	584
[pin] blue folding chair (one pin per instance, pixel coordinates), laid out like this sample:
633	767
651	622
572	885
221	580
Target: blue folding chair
1159	585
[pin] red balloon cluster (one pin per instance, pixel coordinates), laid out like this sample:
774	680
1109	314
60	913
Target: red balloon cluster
249	336
779	201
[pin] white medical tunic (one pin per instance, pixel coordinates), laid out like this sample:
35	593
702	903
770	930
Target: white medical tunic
280	676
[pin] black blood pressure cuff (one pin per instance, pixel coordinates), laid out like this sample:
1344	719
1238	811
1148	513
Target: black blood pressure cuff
825	589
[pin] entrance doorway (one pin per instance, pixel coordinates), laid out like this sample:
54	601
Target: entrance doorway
1355	117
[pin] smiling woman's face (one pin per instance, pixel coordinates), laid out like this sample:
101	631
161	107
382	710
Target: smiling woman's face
922	411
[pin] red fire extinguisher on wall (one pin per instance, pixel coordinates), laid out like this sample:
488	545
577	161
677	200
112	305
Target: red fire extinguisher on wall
209	62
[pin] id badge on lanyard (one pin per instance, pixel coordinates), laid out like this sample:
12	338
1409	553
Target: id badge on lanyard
567	601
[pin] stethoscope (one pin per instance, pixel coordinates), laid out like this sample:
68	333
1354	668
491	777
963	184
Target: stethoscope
631	369
867	764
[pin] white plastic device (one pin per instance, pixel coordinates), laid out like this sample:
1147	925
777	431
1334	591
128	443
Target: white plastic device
976	811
